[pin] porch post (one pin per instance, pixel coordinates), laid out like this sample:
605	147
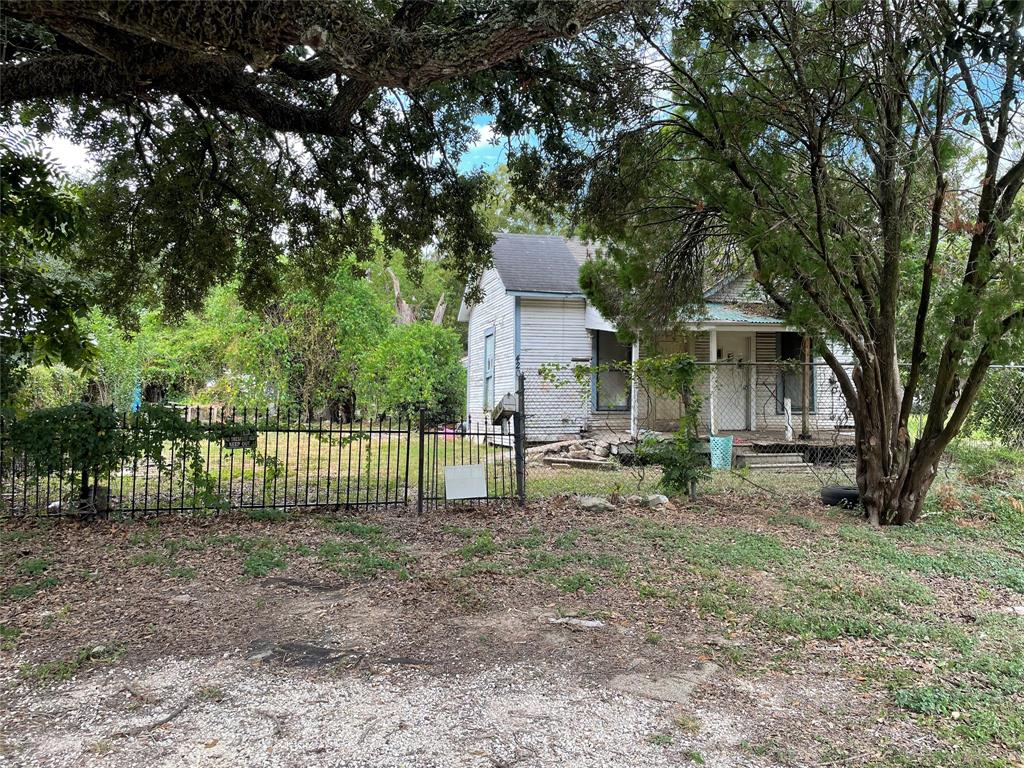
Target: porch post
713	378
634	426
805	394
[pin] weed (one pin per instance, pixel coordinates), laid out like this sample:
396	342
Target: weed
800	521
22	591
653	638
686	722
534	539
151	558
210	693
353	527
694	756
263	559
583	581
481	566
653	592
65	669
567	540
457	530
59	615
8	637
660	739
482	545
33	566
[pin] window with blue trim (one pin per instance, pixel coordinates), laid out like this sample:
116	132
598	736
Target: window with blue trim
611	386
488	369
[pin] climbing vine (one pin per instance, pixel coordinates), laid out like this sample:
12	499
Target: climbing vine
683	463
84	443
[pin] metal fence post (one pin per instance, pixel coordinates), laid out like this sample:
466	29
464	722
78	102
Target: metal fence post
519	441
419	475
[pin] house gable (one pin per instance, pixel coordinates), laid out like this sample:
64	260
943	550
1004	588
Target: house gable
738	288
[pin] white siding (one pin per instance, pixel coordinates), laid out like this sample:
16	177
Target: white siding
496	310
553	331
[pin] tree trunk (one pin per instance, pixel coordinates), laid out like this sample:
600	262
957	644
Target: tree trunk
892	478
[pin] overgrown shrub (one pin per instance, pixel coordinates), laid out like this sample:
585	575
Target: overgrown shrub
49	386
416	366
981	464
683	464
85	442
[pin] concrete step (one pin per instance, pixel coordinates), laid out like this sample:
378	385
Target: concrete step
803	466
780	459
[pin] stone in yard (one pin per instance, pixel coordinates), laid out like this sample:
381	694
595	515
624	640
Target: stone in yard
655	500
602	449
1015	610
579	453
675	687
634	500
578	623
182	599
596	504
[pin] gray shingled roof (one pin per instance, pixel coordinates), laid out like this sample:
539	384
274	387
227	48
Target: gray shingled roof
539	263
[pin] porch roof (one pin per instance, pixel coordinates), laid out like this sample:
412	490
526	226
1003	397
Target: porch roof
735	314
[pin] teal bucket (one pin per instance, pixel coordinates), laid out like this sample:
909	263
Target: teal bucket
721	452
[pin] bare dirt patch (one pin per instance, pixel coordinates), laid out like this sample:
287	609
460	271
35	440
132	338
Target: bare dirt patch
387	640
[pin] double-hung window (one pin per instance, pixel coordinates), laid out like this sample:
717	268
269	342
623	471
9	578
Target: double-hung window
489	369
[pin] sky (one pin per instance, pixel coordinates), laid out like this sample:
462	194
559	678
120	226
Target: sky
481	154
73	158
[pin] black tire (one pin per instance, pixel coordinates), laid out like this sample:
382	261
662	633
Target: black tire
840	495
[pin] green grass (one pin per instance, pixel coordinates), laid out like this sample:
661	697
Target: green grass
29	589
33	566
8	637
481	546
364	551
544	482
153	558
64	669
267	514
263	558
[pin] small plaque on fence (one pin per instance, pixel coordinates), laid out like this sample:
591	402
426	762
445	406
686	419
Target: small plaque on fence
465	482
240	441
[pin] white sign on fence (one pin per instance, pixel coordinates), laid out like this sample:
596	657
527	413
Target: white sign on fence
465	482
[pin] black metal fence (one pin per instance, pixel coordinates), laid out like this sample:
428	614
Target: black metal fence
220	458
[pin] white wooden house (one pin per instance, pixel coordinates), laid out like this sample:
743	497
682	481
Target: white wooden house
533	315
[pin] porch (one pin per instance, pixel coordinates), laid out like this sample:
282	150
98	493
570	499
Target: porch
758	383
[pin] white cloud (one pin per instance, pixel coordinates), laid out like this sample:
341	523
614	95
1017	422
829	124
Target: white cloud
484	136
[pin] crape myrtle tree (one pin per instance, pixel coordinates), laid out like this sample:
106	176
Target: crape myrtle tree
866	158
230	136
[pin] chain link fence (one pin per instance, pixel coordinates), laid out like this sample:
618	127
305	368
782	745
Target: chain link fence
788	422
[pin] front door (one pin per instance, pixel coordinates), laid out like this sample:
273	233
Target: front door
732	389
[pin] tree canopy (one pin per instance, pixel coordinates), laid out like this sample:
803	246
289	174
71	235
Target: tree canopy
233	136
40	300
865	160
